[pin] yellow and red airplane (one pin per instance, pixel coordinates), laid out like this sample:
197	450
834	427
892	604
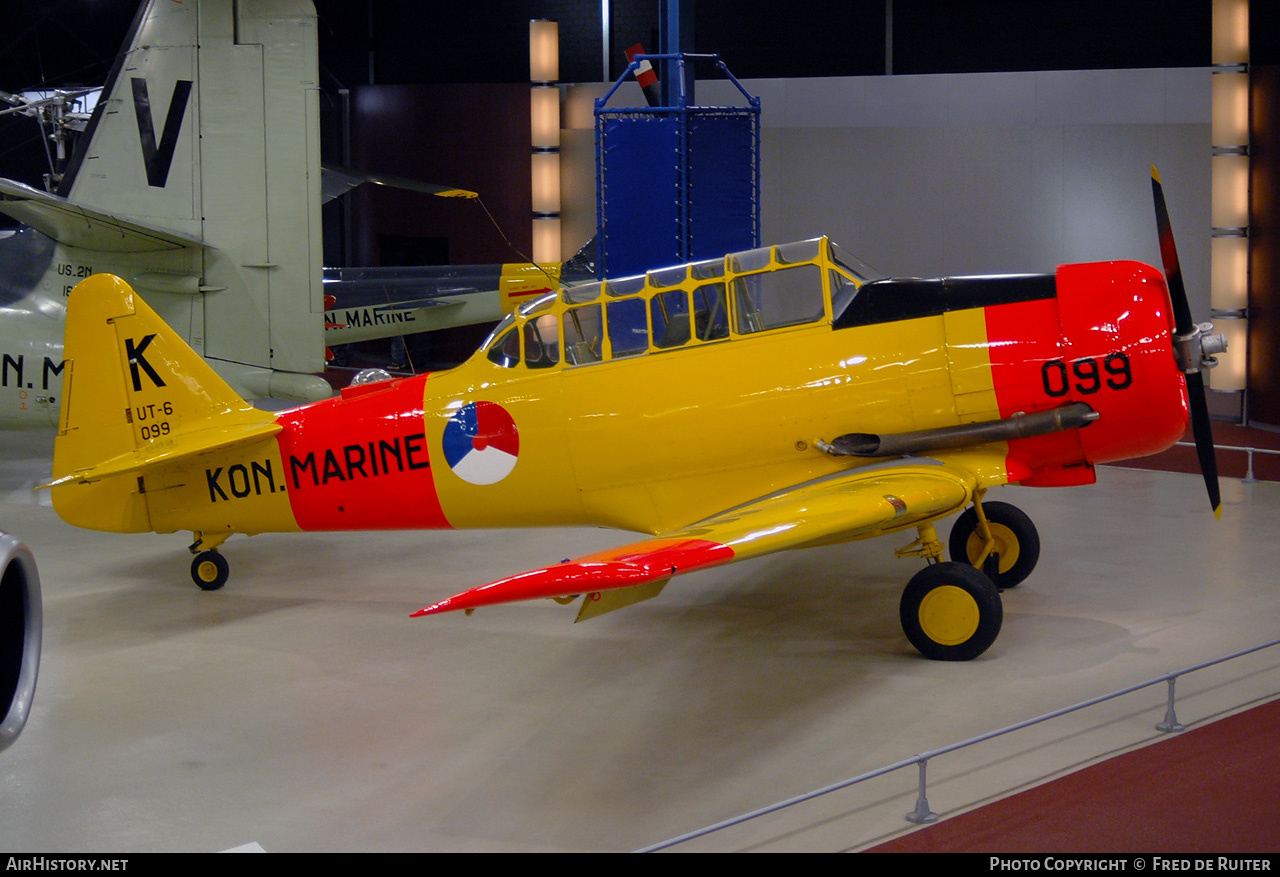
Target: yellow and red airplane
778	398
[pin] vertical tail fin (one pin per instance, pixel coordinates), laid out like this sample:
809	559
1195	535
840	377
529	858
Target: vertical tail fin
209	128
134	396
139	152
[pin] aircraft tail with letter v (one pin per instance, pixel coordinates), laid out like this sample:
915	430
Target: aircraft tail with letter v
197	180
209	129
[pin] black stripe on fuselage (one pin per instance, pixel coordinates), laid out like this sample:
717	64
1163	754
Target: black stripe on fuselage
893	299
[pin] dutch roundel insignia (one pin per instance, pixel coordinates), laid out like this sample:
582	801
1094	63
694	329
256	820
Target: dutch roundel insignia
481	443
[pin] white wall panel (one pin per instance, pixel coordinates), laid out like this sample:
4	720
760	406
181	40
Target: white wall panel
991	172
978	173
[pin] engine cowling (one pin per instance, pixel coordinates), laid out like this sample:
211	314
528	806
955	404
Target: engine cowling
20	628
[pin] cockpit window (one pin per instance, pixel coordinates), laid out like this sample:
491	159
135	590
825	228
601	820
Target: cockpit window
772	299
506	350
583	335
668	276
683	306
710	312
503	325
542	342
628	327
539	305
624	285
842	291
855	266
669	316
576	295
751	260
800	251
708	270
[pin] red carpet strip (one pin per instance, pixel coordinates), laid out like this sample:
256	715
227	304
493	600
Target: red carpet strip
1213	789
1231	464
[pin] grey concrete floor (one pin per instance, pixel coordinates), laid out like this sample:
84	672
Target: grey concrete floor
302	710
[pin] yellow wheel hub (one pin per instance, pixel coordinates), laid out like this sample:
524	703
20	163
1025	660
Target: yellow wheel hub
949	615
1006	546
208	571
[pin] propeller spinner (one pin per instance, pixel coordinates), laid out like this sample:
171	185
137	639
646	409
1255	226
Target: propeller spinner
1193	347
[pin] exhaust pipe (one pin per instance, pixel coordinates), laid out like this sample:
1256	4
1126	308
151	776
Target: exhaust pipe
20	626
902	444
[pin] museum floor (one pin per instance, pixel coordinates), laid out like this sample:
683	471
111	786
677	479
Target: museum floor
301	709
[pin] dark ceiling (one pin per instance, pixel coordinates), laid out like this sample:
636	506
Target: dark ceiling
71	42
62	41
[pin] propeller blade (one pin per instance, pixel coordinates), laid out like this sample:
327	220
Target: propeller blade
1200	424
1169	256
1204	440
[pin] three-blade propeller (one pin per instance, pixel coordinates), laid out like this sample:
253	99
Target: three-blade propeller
1187	337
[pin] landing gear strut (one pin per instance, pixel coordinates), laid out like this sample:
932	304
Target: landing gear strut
1007	551
951	611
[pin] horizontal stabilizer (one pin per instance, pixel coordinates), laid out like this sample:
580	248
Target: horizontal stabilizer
336	181
75	225
184	445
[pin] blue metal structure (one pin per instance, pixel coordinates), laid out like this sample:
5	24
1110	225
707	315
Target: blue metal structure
675	184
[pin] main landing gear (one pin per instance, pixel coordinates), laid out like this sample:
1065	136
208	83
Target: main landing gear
1015	544
209	569
951	610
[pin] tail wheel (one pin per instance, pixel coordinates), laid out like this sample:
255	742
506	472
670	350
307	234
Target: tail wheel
1016	538
210	570
951	612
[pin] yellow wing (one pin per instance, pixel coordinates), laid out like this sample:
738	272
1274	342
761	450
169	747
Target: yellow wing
856	504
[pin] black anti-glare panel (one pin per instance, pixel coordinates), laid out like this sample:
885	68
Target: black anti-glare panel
884	301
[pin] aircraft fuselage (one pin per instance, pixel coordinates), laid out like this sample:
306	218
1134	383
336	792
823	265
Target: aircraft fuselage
36	276
562	418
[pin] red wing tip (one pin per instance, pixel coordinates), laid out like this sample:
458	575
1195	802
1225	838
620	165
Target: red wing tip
443	606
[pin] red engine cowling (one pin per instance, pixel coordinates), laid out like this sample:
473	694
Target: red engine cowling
1105	340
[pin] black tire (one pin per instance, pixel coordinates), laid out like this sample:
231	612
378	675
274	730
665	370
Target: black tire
210	570
1017	542
951	612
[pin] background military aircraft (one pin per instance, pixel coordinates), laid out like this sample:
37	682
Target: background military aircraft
198	179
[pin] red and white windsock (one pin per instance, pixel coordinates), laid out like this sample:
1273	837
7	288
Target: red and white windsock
646	76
